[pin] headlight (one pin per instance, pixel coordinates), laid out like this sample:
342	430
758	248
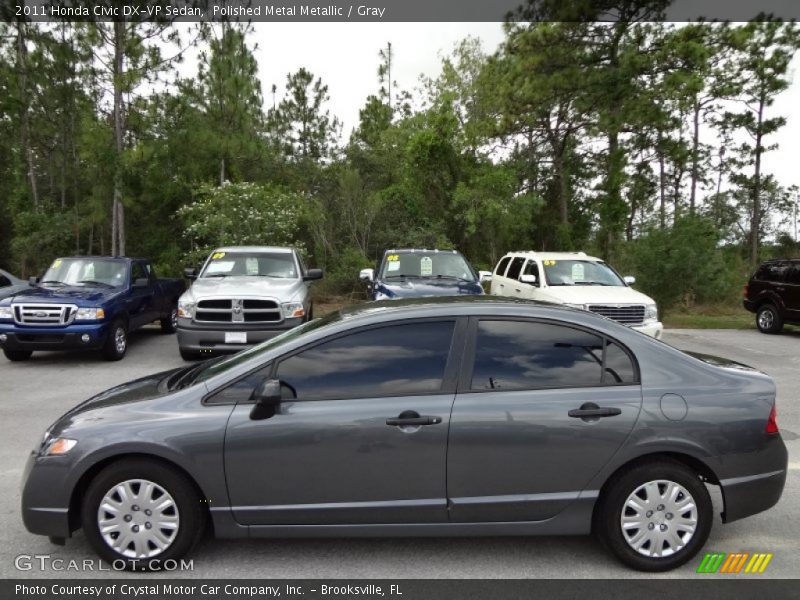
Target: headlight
90	314
6	312
185	309
293	309
58	446
650	312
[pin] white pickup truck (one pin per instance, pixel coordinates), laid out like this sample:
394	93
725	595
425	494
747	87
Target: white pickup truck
243	295
577	280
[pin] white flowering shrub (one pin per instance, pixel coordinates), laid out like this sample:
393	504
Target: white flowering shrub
241	214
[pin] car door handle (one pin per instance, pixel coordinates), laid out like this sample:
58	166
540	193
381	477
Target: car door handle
410	418
592	411
517	290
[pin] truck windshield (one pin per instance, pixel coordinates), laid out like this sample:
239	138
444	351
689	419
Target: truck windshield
426	265
251	264
86	272
580	272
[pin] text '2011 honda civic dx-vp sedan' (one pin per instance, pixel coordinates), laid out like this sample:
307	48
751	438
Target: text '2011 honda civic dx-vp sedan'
429	417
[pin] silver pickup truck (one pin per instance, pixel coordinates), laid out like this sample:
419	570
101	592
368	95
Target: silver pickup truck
241	296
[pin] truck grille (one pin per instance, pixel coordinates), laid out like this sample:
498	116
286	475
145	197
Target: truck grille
629	314
238	310
51	315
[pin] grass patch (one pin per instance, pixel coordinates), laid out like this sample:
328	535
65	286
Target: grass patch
710	317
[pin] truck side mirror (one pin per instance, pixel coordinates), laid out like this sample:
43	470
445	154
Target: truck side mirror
529	279
367	275
190	273
312	274
484	276
629	279
267	397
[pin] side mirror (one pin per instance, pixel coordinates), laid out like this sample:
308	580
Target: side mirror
629	279
142	282
33	280
367	275
484	276
312	274
267	397
530	279
190	274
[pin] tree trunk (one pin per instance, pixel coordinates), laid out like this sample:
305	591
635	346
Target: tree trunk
695	156
25	129
755	222
118	212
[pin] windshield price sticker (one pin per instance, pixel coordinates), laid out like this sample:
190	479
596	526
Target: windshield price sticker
217	255
426	266
393	266
221	267
578	273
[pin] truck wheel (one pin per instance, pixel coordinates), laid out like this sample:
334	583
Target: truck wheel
17	355
768	319
116	342
170	324
654	516
141	513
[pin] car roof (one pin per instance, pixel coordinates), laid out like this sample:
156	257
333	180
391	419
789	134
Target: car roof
412	250
553	255
277	249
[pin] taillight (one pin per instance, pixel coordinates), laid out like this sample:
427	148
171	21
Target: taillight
746	290
772	422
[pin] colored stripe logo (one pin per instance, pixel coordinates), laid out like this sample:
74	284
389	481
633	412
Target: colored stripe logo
738	562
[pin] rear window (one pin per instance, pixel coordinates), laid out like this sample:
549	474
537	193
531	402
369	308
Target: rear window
501	268
516	268
773	272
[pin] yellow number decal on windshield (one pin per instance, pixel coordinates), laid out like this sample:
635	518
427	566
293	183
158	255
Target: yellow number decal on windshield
393	257
217	255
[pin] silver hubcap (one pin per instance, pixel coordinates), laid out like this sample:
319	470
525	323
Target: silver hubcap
119	340
765	319
659	518
138	518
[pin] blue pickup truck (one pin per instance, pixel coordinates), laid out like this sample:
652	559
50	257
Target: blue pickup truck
87	303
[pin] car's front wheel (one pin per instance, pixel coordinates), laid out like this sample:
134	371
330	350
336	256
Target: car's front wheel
116	344
768	319
655	516
170	323
139	513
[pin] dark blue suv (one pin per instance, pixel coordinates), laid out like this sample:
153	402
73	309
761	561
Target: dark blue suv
413	273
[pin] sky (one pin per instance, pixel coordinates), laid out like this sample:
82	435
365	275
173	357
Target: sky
345	55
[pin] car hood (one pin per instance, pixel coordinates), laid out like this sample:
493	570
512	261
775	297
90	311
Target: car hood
595	294
414	288
67	294
278	287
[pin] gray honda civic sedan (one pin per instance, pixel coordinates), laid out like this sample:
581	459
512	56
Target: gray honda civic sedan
428	417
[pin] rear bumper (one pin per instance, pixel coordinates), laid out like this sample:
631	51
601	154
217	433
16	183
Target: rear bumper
211	340
756	491
53	338
749	305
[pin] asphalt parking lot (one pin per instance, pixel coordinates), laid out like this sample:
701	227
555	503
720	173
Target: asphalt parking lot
34	394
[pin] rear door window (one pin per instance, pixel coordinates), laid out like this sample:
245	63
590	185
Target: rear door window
521	355
516	268
772	272
793	276
501	268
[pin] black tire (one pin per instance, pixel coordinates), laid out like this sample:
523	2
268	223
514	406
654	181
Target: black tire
190	513
768	319
17	355
189	354
609	511
170	324
111	349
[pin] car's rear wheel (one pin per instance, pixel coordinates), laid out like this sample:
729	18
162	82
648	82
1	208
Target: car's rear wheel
116	344
768	319
170	323
17	355
655	516
140	513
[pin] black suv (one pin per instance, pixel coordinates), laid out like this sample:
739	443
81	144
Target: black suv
773	293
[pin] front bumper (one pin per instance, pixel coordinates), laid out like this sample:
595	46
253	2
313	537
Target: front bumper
653	329
53	338
45	502
211	339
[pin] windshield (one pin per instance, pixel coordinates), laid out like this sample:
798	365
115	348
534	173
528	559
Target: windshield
580	272
433	265
251	264
215	367
86	272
